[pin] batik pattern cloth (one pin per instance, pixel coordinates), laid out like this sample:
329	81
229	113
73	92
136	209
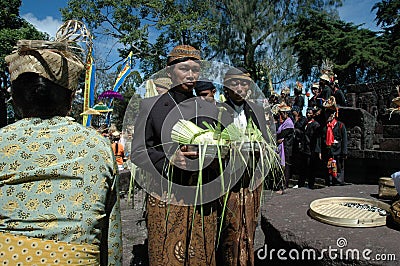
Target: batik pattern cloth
58	182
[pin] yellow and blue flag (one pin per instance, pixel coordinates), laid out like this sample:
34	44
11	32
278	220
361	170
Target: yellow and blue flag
120	79
124	72
90	81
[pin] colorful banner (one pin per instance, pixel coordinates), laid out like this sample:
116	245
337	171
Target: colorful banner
90	81
120	79
124	72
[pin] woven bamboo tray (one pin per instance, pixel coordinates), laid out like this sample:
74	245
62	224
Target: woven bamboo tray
332	211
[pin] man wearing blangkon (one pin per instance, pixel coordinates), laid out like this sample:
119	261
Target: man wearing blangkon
179	232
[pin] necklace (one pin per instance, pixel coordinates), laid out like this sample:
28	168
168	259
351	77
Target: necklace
179	109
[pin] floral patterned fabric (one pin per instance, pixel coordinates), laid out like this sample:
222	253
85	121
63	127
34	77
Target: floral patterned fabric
58	181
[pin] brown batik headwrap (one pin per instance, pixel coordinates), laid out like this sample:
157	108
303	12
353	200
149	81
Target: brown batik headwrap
182	51
54	60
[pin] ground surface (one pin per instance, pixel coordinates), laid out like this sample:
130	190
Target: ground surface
285	224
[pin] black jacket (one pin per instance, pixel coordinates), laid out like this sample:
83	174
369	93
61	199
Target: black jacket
339	147
340	98
252	110
151	141
311	136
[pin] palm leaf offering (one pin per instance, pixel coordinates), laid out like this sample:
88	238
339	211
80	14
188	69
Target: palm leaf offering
251	133
244	145
187	132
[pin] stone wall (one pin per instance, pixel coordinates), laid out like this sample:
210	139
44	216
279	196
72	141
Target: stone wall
373	131
360	125
375	98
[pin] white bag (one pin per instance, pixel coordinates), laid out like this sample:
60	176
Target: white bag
396	179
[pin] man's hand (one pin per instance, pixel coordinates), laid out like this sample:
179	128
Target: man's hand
180	157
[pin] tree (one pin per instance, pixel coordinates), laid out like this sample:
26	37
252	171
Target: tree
251	34
12	29
388	17
246	33
360	55
148	28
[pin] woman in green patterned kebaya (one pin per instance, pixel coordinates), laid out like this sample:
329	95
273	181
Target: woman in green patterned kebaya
59	199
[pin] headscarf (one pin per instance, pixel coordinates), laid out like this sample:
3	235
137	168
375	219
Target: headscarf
58	60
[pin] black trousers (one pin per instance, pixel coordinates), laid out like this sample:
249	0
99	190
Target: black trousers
339	179
308	169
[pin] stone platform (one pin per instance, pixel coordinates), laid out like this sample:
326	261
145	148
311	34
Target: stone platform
285	224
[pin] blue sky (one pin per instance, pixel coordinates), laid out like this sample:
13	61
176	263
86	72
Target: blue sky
45	16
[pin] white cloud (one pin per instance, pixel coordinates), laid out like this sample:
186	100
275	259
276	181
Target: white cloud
49	24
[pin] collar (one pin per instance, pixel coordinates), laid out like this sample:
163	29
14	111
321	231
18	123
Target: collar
332	123
237	108
180	95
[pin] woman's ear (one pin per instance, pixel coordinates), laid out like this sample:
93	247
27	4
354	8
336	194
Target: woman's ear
73	95
71	101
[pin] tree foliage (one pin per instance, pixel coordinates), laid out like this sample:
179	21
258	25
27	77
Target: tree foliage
243	33
359	55
252	34
388	17
12	29
148	28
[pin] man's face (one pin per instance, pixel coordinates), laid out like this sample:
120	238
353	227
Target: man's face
283	115
309	114
184	74
238	89
207	95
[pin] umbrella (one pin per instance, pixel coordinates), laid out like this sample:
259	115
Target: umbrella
150	89
102	108
110	94
91	111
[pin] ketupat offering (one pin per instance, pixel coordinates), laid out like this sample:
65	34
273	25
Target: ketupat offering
187	132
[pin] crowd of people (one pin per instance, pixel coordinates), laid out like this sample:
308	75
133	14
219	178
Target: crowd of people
196	234
314	145
59	190
304	142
